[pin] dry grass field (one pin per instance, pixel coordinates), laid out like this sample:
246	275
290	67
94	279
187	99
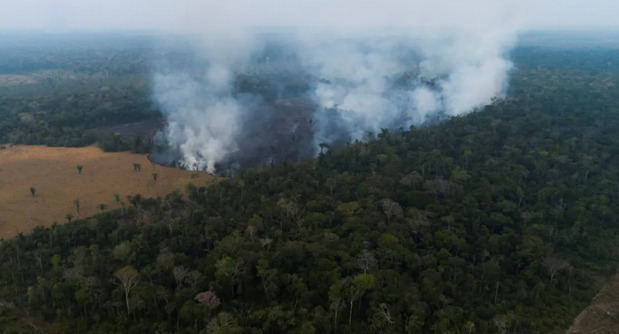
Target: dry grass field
52	171
602	316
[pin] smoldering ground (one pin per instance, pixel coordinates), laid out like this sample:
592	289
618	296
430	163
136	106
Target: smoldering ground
245	114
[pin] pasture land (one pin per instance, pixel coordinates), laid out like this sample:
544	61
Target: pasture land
59	186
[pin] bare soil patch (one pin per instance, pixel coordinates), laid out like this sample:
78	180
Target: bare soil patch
53	172
602	316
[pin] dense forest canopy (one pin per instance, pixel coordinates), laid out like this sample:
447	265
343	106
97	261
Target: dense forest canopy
23	53
502	221
72	90
54	89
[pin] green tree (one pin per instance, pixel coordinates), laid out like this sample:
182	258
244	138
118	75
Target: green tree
223	323
356	287
102	207
228	271
128	279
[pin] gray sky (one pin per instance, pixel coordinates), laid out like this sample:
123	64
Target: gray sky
190	15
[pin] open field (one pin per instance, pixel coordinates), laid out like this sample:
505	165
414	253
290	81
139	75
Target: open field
7	80
52	171
602	316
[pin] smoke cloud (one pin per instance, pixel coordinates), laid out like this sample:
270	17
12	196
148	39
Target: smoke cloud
241	95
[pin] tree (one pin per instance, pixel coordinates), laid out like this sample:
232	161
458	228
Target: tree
356	287
381	319
135	200
208	299
179	273
290	209
336	300
366	261
128	279
268	277
229	269
33	191
76	204
555	265
79	169
223	323
391	209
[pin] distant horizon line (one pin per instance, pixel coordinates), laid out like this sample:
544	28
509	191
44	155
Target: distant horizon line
76	31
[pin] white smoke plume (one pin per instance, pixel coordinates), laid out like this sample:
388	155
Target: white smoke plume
365	66
203	124
203	116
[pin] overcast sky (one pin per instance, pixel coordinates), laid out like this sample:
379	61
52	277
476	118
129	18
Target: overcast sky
189	15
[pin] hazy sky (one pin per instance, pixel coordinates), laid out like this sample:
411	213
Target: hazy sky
189	15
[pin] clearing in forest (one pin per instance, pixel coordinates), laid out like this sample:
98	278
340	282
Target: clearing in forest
61	191
602	316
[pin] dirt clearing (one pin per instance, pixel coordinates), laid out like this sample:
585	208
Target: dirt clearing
61	190
602	316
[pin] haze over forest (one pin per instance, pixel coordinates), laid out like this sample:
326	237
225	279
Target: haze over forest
309	166
422	62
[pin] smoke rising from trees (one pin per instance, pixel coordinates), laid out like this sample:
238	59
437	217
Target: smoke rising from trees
243	96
